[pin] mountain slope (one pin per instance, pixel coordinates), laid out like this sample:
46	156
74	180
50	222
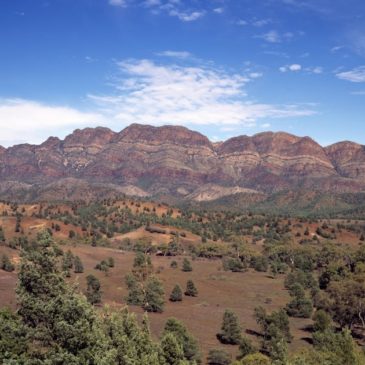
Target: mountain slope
173	160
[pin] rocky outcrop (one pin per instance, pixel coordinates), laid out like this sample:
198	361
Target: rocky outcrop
174	160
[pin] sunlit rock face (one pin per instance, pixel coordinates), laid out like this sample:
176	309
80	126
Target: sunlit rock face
148	160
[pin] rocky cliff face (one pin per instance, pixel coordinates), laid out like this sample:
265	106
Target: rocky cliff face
177	161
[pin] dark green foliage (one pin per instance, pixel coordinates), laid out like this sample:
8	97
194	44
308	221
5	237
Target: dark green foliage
185	339
231	329
129	342
2	235
300	306
172	349
142	266
260	263
135	291
6	264
93	292
17	224
173	264
305	279
246	348
322	321
176	294
191	290
60	324
78	266
154	295
275	331
233	264
186	266
13	344
110	262
346	303
341	347
219	357
102	266
68	261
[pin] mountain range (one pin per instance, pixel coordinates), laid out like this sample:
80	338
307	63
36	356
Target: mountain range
174	161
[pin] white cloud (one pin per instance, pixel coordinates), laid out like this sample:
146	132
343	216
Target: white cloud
361	92
261	22
175	54
272	36
336	48
315	70
241	22
171	94
294	67
121	3
355	75
255	75
26	120
187	16
265	125
218	10
175	8
150	3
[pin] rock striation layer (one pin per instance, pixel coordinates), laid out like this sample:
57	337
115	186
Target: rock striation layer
174	160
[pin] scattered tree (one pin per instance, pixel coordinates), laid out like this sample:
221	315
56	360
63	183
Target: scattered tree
93	292
231	329
191	290
176	294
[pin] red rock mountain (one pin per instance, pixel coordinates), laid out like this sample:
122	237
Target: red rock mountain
146	160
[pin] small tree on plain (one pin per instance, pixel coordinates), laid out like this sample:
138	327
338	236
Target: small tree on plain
78	266
186	267
191	290
93	292
231	329
154	296
176	294
6	264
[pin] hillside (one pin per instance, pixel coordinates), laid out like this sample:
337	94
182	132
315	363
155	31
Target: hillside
176	162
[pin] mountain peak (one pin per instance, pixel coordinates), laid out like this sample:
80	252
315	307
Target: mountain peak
166	133
89	136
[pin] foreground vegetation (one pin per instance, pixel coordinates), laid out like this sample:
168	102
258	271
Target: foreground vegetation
58	322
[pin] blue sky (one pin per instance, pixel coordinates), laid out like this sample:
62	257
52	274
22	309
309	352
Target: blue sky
222	67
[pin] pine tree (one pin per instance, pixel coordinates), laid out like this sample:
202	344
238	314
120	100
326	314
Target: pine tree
231	329
154	295
135	291
110	262
142	266
2	235
176	294
191	290
172	349
300	306
186	266
188	342
246	348
93	293
322	321
61	326
219	357
78	266
68	261
6	264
